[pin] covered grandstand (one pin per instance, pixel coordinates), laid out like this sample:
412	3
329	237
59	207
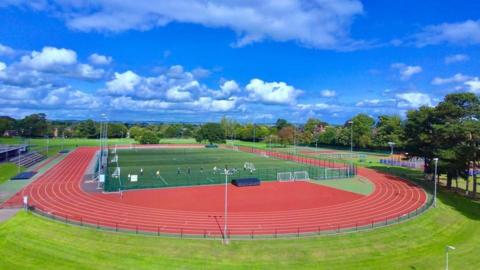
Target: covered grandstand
8	152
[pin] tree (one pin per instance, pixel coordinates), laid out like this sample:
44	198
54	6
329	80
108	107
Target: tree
6	123
281	123
456	134
172	131
86	129
285	135
149	137
117	130
388	129
419	141
211	132
34	125
136	132
311	125
362	130
329	136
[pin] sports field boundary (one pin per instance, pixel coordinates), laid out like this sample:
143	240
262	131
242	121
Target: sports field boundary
253	235
54	210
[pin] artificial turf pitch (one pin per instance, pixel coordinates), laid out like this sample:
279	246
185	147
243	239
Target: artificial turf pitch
195	166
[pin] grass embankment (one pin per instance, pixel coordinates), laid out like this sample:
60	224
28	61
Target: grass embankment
31	242
8	170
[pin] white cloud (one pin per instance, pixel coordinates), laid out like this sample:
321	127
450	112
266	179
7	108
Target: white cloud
406	72
213	105
201	73
70	98
129	104
389	102
3	66
123	83
317	106
47	97
456	58
320	24
413	100
85	71
5	50
461	33
328	93
227	88
474	85
272	92
178	93
50	59
173	84
457	78
99	60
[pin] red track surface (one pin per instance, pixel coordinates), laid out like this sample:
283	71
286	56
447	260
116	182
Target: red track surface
271	208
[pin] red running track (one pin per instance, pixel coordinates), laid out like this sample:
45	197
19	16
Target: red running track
273	208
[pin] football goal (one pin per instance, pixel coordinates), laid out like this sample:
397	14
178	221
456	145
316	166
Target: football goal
116	173
249	166
301	176
284	176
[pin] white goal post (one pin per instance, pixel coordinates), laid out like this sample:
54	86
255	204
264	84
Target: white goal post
301	176
284	176
249	166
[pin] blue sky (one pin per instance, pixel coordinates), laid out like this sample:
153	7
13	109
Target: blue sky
198	60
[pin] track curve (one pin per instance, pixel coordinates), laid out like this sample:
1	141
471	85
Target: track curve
58	192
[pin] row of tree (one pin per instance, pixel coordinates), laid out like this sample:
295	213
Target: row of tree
449	131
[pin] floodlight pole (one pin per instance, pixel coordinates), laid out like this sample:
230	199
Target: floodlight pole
225	234
254	134
447	248
391	144
435	184
351	135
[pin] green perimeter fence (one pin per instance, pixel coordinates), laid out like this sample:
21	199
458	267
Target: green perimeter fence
210	177
237	234
255	233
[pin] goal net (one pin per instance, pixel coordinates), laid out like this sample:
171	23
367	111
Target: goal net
301	176
116	173
284	176
249	166
235	148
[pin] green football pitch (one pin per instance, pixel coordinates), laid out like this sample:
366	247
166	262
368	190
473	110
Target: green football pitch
199	166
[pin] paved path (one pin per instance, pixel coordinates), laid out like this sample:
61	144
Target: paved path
5	214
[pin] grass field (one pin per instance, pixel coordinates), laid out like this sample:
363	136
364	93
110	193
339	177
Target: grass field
31	242
57	144
184	167
8	170
355	184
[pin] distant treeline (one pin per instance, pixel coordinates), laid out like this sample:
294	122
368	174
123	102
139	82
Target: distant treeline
450	131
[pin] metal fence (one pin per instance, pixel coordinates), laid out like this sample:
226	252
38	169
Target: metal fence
235	234
317	170
173	179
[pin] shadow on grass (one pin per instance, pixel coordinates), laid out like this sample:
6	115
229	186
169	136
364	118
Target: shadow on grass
466	206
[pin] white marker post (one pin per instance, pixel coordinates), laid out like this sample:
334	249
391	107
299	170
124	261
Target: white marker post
25	202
